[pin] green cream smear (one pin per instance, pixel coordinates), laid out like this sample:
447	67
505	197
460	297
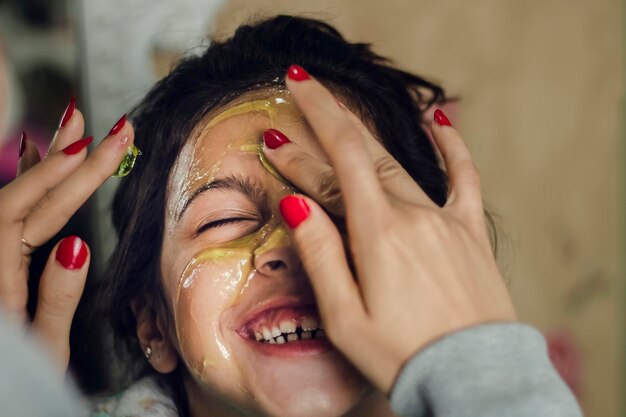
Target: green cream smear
128	162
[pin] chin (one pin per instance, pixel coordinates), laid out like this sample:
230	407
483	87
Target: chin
322	386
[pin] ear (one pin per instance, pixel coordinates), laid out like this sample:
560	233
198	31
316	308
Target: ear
152	332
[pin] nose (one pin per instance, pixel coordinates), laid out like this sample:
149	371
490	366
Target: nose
277	257
278	261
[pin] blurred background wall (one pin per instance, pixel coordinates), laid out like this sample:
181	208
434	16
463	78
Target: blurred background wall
541	85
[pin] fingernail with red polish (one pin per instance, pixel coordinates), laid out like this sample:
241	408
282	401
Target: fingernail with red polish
274	138
297	73
23	142
117	126
78	146
294	210
69	112
441	118
72	253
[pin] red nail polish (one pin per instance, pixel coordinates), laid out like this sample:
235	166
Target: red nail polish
23	142
78	146
297	73
117	126
69	112
294	210
274	138
441	118
72	253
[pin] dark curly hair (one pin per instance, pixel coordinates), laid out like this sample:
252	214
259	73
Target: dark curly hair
258	55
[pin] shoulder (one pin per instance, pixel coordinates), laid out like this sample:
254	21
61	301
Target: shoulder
142	399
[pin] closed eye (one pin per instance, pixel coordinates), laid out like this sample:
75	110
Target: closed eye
222	222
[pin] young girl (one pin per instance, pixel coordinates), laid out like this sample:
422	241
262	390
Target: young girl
232	291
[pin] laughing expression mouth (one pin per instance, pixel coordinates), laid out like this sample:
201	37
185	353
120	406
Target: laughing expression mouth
284	325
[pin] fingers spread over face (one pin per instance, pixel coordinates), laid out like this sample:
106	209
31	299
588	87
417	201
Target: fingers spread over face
63	201
60	289
345	146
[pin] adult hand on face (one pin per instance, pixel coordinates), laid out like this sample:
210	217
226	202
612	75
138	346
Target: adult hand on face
421	271
35	206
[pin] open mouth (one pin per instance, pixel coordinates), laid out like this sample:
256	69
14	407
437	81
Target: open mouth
284	325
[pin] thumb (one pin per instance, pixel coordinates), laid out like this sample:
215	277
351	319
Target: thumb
60	289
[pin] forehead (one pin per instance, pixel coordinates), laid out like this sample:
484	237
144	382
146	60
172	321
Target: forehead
239	125
230	138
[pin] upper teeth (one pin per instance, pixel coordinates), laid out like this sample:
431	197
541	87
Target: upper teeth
287	326
287	332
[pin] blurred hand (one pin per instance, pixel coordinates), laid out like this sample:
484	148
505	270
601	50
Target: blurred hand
35	206
422	271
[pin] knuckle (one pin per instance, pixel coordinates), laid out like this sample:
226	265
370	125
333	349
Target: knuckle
98	166
58	303
59	294
330	193
295	157
315	250
347	136
387	167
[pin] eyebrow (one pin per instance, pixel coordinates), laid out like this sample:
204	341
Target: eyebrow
245	186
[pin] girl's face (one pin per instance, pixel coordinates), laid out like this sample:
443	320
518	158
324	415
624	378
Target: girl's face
245	321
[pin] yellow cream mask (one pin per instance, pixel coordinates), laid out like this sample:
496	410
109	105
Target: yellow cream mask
226	268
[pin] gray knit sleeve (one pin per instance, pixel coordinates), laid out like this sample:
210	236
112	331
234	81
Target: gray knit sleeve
491	370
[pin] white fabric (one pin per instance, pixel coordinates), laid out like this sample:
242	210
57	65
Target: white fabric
142	399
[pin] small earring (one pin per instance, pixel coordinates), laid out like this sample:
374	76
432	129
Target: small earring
148	353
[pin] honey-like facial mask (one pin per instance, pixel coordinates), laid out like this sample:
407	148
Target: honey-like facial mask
225	269
219	279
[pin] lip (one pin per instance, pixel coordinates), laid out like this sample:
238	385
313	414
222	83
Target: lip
294	349
273	304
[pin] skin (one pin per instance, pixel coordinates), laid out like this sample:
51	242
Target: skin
35	206
443	271
229	269
442	281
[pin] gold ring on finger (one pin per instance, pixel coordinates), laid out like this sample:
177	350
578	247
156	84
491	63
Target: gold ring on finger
30	247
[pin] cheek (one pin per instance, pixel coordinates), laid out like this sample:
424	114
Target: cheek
206	289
